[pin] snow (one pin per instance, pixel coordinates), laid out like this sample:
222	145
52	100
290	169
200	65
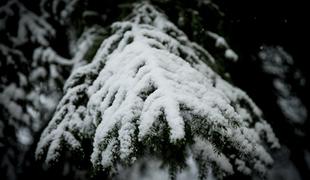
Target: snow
37	73
29	93
293	109
145	169
24	136
208	153
107	154
279	64
25	90
22	79
150	168
263	127
241	166
230	54
148	74
31	26
8	99
50	56
221	43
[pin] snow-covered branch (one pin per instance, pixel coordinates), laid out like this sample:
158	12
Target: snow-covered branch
149	89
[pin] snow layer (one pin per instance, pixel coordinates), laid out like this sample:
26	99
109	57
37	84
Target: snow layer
148	78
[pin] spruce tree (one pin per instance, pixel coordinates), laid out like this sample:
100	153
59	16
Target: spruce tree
90	92
147	89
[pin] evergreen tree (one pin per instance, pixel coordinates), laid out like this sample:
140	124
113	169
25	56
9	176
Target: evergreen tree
92	92
29	85
149	90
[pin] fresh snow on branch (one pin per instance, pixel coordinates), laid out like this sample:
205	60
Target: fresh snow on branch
149	89
221	43
277	63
